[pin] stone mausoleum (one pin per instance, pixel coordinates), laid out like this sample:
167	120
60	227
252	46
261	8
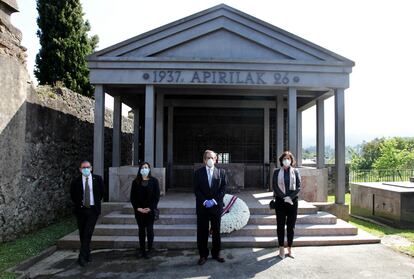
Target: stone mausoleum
223	80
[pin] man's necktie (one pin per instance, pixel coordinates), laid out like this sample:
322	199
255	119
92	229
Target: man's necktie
87	199
209	177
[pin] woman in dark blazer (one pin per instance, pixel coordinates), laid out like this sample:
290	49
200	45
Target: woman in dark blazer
286	187
145	194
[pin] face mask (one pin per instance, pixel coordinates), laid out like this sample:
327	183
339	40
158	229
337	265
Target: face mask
145	172
86	171
286	162
210	163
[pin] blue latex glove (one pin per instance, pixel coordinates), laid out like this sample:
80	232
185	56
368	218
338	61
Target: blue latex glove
209	203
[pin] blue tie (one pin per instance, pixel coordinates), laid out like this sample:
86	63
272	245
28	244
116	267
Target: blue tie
209	177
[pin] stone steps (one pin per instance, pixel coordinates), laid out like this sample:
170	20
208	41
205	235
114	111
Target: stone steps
189	242
340	228
185	209
175	219
176	228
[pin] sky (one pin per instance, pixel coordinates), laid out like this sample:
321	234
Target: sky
376	34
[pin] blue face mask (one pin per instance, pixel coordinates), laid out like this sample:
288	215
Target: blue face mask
86	171
145	172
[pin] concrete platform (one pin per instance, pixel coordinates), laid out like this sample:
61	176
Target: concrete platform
343	262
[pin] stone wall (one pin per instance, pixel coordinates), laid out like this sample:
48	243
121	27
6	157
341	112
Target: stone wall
332	179
44	134
55	133
14	87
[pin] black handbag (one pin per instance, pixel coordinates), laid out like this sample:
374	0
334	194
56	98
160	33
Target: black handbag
272	204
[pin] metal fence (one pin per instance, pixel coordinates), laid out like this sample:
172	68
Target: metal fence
380	175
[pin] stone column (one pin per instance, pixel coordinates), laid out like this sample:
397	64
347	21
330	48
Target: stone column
99	129
280	129
159	133
170	145
149	124
292	119
340	146
136	138
266	143
320	134
299	139
116	137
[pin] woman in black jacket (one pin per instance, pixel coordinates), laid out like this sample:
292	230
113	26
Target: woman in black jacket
286	187
145	194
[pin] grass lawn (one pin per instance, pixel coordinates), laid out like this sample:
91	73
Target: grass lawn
379	230
382	231
14	252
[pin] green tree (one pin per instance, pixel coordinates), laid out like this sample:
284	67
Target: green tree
65	43
391	157
388	154
394	155
370	151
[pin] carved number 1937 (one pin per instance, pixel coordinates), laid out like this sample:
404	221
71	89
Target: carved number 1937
167	76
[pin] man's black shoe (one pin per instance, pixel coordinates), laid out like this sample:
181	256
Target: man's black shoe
202	261
88	258
219	259
82	262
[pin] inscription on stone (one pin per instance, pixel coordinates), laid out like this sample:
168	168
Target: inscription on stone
221	77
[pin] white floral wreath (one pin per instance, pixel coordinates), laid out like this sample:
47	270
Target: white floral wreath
237	217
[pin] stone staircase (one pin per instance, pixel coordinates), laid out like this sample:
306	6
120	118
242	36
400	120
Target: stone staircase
176	228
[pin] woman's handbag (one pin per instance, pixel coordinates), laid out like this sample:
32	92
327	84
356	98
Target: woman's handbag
272	204
156	214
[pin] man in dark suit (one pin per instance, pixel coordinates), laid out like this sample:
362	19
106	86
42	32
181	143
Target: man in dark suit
86	192
209	188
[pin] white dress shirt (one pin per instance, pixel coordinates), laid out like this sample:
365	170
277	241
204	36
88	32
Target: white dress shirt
90	187
210	171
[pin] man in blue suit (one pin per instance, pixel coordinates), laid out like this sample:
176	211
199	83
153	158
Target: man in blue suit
209	187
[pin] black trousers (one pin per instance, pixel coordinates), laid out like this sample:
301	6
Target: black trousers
286	214
86	219
145	229
203	231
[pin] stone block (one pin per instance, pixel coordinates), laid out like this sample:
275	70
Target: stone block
314	183
120	180
390	203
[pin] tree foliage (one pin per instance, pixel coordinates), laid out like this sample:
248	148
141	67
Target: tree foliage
65	43
393	153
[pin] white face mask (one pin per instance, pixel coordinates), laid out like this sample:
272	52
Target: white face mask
210	163
145	172
286	162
